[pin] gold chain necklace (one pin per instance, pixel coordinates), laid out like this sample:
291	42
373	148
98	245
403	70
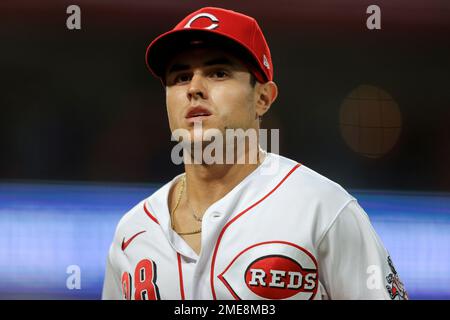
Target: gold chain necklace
199	219
180	194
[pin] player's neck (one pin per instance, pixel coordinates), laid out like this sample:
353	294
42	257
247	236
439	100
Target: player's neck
207	184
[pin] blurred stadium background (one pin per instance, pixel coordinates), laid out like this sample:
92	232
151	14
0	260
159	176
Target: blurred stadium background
84	134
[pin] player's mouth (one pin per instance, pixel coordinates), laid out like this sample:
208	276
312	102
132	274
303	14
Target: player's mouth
197	114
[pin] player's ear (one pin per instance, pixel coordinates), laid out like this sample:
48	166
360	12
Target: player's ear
266	93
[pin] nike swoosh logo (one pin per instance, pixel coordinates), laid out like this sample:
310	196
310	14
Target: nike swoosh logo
125	244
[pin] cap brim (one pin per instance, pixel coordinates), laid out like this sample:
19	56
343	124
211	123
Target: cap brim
166	46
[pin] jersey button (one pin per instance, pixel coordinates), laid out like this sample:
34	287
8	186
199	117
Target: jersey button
216	215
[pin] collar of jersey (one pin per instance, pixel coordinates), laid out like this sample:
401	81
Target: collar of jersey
255	185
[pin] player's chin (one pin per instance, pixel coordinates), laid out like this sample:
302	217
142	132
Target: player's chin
200	130
206	135
205	127
202	122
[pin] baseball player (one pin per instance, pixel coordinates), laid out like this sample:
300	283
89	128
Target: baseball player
239	230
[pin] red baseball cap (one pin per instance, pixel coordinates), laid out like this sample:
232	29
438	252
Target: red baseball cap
214	26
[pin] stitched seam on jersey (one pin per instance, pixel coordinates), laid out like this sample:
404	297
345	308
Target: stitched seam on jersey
216	247
333	221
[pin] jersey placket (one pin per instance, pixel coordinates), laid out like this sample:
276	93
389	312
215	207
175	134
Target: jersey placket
195	268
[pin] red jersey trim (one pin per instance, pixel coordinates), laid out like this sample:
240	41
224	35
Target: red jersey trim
180	273
149	214
237	217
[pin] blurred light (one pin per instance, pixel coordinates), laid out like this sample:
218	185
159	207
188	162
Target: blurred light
370	121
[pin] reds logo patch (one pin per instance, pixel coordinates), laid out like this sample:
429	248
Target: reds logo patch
272	270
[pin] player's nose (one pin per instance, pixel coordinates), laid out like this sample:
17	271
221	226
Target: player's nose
197	87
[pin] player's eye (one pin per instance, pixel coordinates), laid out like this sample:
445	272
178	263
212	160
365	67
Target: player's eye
182	78
219	74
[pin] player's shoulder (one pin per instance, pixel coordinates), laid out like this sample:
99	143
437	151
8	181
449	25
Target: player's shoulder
312	184
131	215
130	219
145	212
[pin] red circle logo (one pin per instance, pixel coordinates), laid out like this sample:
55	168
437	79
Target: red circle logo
279	277
272	270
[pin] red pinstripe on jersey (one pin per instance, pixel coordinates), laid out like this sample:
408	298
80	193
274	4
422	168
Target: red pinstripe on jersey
180	272
237	217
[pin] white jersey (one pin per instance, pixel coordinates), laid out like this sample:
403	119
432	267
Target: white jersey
281	233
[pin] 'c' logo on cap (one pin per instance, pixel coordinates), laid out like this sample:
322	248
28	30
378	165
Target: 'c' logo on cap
204	15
